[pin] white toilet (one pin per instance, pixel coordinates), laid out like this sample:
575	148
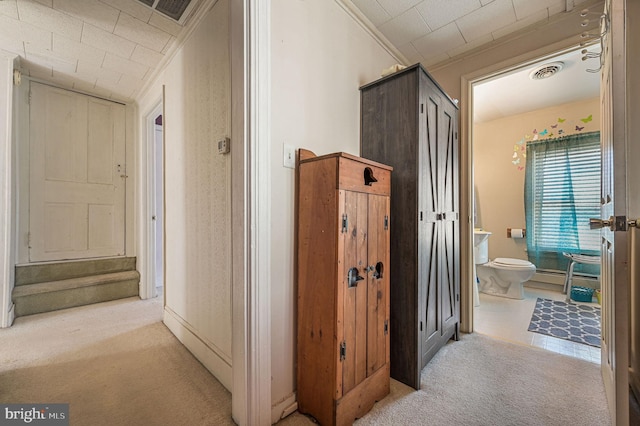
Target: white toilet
503	276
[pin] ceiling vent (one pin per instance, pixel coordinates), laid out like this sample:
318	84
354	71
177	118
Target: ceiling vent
546	70
174	9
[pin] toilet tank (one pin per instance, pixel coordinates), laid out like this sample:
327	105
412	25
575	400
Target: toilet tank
480	246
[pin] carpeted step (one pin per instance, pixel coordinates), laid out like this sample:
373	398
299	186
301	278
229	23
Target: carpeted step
56	271
53	295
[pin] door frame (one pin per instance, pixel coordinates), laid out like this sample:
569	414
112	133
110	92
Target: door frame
466	163
147	288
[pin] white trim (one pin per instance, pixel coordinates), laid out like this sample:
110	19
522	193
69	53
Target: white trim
147	226
250	79
282	409
356	14
206	352
7	230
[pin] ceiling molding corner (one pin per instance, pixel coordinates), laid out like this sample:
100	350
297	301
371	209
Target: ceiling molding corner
197	14
355	13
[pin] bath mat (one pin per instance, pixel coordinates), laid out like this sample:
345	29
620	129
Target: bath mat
578	323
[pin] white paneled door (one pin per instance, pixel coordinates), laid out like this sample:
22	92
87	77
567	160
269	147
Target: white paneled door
77	176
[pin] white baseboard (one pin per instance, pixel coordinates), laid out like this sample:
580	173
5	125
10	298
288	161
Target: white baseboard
208	356
283	408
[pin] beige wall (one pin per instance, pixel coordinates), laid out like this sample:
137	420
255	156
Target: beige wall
197	191
320	57
499	183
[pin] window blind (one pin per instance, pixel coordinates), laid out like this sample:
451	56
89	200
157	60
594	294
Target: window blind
562	192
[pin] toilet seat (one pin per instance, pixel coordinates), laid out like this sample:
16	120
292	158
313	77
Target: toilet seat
512	264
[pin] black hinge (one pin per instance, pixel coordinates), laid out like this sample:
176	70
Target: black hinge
420	325
386	326
345	223
421	108
386	223
457	297
343	351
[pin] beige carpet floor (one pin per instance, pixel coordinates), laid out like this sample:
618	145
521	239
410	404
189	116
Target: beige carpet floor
115	363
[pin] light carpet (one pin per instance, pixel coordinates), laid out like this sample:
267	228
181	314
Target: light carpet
115	363
484	381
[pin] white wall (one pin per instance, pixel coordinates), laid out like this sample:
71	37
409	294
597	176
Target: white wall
197	191
7	190
500	183
320	57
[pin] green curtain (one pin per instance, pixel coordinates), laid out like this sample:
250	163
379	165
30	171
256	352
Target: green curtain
562	191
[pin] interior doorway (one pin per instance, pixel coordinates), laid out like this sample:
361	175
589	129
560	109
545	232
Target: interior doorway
155	122
510	109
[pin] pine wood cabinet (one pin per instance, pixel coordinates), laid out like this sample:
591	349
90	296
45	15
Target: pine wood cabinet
343	285
408	122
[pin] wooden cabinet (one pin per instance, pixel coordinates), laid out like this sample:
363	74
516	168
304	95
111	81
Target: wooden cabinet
343	285
409	123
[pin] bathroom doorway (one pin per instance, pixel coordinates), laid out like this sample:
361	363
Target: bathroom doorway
550	97
155	123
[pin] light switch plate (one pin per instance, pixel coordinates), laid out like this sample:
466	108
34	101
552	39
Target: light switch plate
289	156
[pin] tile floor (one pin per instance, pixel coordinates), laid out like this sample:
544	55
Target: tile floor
509	319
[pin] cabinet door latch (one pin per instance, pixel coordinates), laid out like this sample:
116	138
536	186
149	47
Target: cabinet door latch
386	223
343	351
386	327
345	223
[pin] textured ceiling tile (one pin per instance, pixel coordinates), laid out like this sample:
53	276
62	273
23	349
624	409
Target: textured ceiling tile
132	7
470	46
525	8
13	46
411	53
73	49
125	66
93	12
117	90
523	23
50	19
485	2
48	58
487	19
23	31
145	56
91	70
433	60
106	41
439	41
397	7
9	8
439	13
405	28
141	33
167	46
130	84
372	9
48	3
165	24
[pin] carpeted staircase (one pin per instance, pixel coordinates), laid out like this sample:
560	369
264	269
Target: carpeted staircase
48	287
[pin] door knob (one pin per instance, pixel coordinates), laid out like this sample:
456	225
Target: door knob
615	223
597	223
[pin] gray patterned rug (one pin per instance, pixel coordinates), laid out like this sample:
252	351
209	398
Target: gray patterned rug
578	323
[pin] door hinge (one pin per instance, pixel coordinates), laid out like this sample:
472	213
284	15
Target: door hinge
420	325
386	223
345	223
386	326
29	98
457	297
421	108
29	239
343	351
420	216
